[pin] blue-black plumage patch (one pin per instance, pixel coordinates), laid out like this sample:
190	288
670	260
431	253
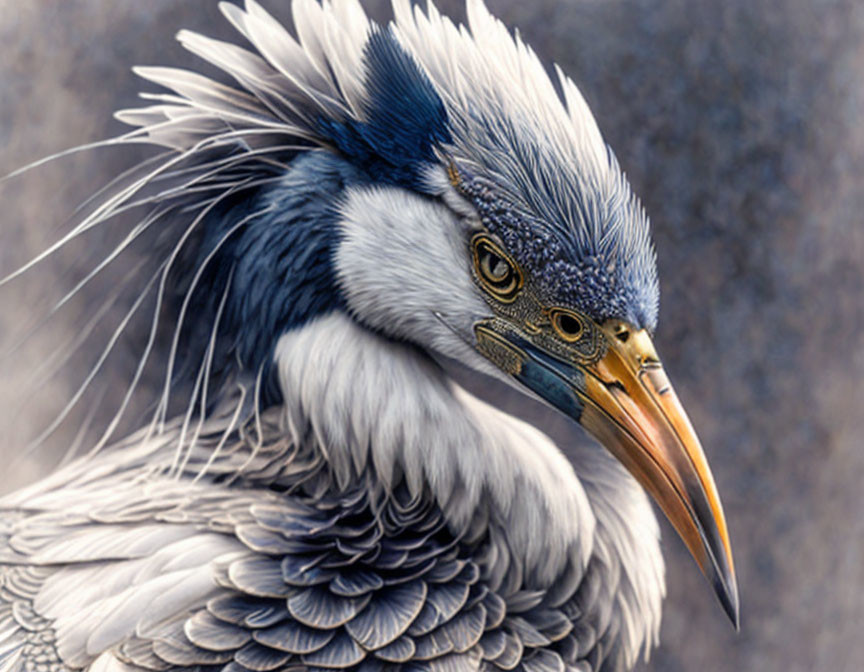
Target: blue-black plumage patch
275	272
405	117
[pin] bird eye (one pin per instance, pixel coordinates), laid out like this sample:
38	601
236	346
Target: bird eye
566	324
496	271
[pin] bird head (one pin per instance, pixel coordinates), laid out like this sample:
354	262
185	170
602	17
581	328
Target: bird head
532	256
481	281
484	219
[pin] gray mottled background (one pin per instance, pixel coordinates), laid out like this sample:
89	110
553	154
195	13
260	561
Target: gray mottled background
740	124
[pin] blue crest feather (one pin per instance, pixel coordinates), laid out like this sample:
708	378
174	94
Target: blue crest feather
405	117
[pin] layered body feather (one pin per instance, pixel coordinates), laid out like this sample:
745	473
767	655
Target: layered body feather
263	557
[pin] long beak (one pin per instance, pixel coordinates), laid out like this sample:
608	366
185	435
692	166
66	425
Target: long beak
625	401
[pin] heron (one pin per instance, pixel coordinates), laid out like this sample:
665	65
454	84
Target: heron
354	212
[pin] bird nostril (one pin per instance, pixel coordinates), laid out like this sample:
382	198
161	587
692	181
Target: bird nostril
622	333
615	385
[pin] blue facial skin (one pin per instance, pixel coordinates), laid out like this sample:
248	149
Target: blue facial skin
551	379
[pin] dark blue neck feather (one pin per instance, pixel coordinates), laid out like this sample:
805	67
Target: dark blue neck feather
269	275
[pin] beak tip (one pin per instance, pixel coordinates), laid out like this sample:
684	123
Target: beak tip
727	593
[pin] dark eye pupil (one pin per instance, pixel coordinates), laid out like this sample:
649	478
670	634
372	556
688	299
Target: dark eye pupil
569	324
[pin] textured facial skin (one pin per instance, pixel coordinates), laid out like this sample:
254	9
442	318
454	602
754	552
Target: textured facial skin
528	316
562	276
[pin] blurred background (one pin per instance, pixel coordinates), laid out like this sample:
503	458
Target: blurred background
741	126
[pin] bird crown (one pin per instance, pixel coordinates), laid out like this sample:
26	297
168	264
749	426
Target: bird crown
400	100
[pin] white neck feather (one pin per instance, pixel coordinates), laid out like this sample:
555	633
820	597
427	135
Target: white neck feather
379	404
374	404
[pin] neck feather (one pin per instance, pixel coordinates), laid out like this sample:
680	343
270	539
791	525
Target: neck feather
386	407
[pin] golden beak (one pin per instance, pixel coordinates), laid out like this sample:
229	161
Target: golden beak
623	398
631	408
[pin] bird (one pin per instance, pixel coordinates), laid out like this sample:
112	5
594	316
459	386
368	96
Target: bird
341	219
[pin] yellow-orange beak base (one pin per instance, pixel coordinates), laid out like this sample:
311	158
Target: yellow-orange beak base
624	399
631	408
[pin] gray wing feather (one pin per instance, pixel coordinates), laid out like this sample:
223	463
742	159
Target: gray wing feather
466	629
342	652
168	574
209	632
388	615
293	637
543	660
261	577
246	611
511	654
260	658
400	651
317	607
354	583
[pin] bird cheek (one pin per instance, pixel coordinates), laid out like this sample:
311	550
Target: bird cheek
497	349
